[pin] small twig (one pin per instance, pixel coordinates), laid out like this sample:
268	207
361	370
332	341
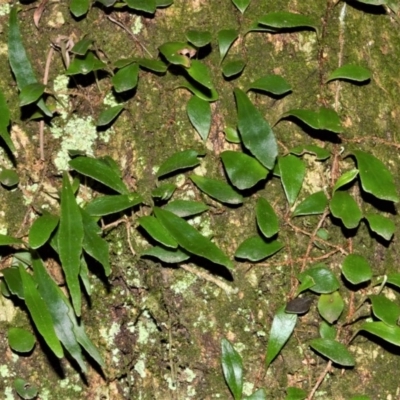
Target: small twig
320	379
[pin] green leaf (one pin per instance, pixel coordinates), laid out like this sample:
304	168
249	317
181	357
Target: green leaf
320	153
334	351
218	190
375	177
381	225
164	192
178	53
389	333
356	269
108	115
293	172
126	78
148	6
344	207
84	64
6	240
5	122
345	178
25	389
330	306
199	113
226	37
241	5
287	20
259	394
327	331
307	282
31	93
385	309
200	91
40	313
324	280
201	74
13	280
9	178
157	231
70	238
106	205
190	239
274	84
299	305
324	119
394	279
282	328
256	134
350	73
41	230
79	7
312	205
179	160
99	171
256	249
294	393
373	2
233	68
232	135
164	3
186	208
152	65
84	275
267	220
20	340
232	367
82	46
168	255
198	38
243	171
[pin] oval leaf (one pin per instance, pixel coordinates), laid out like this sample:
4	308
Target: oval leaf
312	205
107	116
126	78
334	351
356	269
157	231
292	171
20	340
232	367
200	73
344	207
199	113
9	178
274	84
233	68
79	7
350	73
226	37
25	390
324	280
299	305
186	208
330	306
232	135
198	38
267	220
241	5
381	225
180	160
327	331
385	309
344	179
256	249
42	229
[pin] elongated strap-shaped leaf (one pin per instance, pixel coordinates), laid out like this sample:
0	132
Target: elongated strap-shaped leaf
351	73
6	240
157	231
40	313
287	20
345	178
186	208
386	332
5	122
41	230
241	4
256	248
199	113
166	254
111	204
255	131
99	171
232	367
201	92
293	171
335	351
70	238
267	220
190	239
179	160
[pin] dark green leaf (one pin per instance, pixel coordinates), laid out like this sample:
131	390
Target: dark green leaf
375	177
233	68
190	239
82	46
200	73
126	78
307	282
164	192
99	171
201	92
259	394
178	53
351	73
312	205
84	275
256	249
148	6
241	5
294	393
345	178
186	208
31	93
42	229
218	190
232	367
267	220
152	65
226	37
292	171
324	280
157	231
20	340
179	160
381	225
107	116
356	269
232	135
274	84
6	240
106	205
334	351
299	305
84	64
243	171
282	327
167	255
320	153
199	113
198	38
25	390
5	122
9	178
390	333
255	131
13	280
79	7
327	331
330	306
344	207
287	20
385	309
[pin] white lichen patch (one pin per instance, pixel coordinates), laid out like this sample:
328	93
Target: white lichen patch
182	285
4	9
145	328
140	367
4	371
137	25
7	309
317	176
110	334
248	388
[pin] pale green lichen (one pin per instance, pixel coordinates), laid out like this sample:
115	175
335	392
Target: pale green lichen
4	9
248	388
189	375
9	393
137	25
110	334
4	371
140	367
182	285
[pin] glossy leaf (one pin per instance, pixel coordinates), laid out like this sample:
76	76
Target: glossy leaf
324	280
267	220
381	225
126	78
198	38
5	122
108	115
179	160
243	171
201	74
320	153
152	65
282	328
375	177
199	113
148	6
233	68
186	208
157	231
241	5
201	92
330	306
292	171
217	189
79	7
274	84
226	37
344	207
334	351
190	239
70	238
345	178
20	340
307	282
40	313
106	205
6	240
41	230
232	135
356	269
384	309
312	205
25	390
256	249
324	119
167	255
299	305
327	331
256	134
232	367
82	46
13	280
350	73
389	333
9	178
99	171
287	20
84	64
178	53
164	192
31	93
